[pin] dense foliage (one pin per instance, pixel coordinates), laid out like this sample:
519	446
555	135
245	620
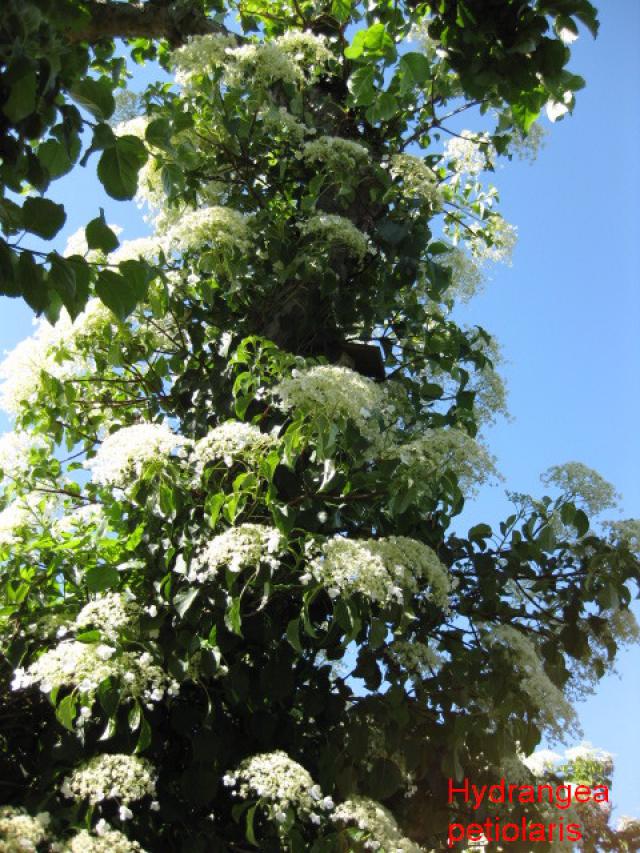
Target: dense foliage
236	615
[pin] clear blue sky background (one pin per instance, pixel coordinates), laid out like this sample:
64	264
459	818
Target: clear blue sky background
567	314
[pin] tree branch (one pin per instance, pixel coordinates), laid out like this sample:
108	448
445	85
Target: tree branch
173	21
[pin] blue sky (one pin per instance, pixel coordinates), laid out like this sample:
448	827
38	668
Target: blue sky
566	313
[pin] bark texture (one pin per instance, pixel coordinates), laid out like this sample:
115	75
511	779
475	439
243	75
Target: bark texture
157	19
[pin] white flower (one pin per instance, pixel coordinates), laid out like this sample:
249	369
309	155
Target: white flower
337	155
107	840
471	152
142	248
245	546
123	453
105	652
376	822
279	781
102	827
567	36
336	393
230	441
80	664
15	451
556	109
19	831
128	778
221	228
554	709
383	570
438	451
418	179
110	612
337	231
541	761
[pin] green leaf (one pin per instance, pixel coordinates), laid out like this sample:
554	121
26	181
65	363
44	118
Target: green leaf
232	618
135	717
480	532
374	42
581	522
383	108
341	10
31	282
23	88
100	236
362	85
158	133
120	293
546	538
101	578
95	96
108	696
293	635
89	637
377	633
144	738
62	278
53	155
119	165
43	217
66	711
183	600
249	830
416	70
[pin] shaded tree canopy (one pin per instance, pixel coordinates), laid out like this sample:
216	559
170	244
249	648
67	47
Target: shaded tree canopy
236	613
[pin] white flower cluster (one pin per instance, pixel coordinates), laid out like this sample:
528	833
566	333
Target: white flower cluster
142	248
229	442
417	178
79	519
543	761
383	570
471	152
338	231
19	831
23	367
311	51
15	452
123	453
220	227
106	840
280	122
466	276
291	58
552	704
336	392
24	512
119	777
263	64
200	55
135	126
110	613
383	833
440	450
281	782
494	240
587	752
418	659
243	547
86	665
338	155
